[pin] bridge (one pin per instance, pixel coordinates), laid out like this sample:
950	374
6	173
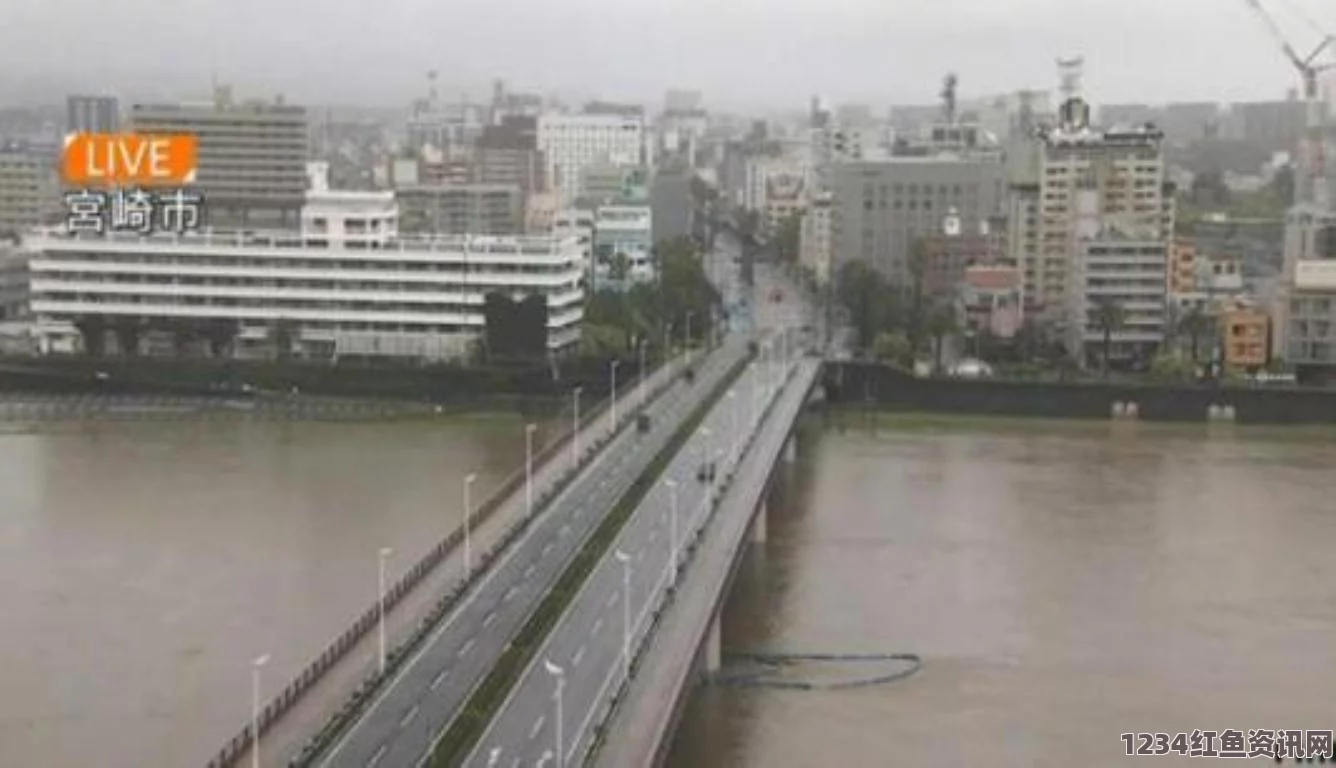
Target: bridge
597	586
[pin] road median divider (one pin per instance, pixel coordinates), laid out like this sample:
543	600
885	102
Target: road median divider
471	722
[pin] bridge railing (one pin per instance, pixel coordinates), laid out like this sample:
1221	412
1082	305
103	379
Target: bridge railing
314	671
689	549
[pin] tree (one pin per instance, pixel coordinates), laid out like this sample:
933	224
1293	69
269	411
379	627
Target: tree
863	293
620	267
1194	324
1108	315
221	333
892	346
93	330
128	330
940	323
185	332
283	334
1169	366
788	238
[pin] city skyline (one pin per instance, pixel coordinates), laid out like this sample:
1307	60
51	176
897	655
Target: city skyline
852	50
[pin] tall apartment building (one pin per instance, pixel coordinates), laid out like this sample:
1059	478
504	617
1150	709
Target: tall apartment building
29	188
252	156
92	114
570	143
879	208
1090	184
461	209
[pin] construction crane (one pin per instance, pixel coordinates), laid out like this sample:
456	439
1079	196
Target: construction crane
1311	186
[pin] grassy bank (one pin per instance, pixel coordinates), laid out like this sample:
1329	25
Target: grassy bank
482	705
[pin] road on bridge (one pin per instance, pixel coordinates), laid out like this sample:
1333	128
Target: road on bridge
613	609
400	726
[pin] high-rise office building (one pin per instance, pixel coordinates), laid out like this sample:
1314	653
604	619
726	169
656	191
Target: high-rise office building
92	114
28	188
570	143
252	155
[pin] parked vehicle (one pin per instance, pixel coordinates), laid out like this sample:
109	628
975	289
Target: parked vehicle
643	423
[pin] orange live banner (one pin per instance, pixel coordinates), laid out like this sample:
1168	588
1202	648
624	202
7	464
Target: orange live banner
130	159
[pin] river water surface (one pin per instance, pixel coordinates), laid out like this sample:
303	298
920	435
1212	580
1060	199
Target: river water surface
1063	583
142	567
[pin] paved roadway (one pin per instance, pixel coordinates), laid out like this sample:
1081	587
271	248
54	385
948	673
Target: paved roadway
402	723
642	723
288	736
587	641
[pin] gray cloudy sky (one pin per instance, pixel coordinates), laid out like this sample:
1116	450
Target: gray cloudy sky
739	52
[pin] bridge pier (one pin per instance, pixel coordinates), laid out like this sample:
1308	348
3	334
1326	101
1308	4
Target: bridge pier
712	653
758	532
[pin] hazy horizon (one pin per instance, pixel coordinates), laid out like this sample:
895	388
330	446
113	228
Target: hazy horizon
746	55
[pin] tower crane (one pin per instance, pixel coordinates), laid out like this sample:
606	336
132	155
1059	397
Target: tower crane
1311	186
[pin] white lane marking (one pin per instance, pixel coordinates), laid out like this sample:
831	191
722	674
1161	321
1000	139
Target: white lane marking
547	548
612	599
597	626
537	726
509	594
579	654
653	534
515	763
528	571
408	718
465	648
440	678
587	472
488	619
376	757
565	530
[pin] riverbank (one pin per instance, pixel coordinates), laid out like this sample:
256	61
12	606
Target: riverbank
892	388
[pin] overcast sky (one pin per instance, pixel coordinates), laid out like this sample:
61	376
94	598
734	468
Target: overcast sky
740	53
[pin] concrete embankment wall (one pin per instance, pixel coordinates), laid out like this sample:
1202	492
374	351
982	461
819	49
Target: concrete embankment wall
896	389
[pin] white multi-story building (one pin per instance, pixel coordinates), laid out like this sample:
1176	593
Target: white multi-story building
623	233
1129	274
345	284
814	240
570	143
1089	181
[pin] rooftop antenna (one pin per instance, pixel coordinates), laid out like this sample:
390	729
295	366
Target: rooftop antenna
1069	75
949	98
431	86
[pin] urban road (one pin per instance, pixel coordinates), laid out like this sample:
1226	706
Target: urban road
589	646
401	725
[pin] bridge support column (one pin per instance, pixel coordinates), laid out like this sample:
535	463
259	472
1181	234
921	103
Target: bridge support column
758	532
791	449
712	656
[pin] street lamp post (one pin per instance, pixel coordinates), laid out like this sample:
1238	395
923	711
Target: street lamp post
256	666
686	338
733	409
528	467
385	553
494	757
640	383
625	560
468	513
575	426
672	527
756	392
612	368
705	450
560	675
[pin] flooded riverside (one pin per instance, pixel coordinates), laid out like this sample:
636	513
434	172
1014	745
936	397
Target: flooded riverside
143	565
1063	583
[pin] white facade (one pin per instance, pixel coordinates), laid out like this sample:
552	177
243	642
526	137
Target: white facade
1089	183
347	283
626	230
814	241
1128	273
572	142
